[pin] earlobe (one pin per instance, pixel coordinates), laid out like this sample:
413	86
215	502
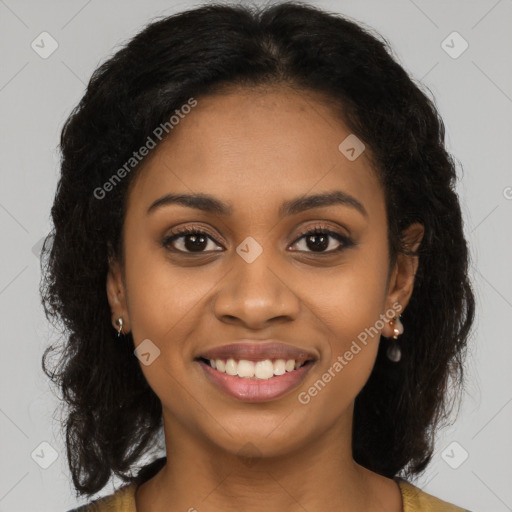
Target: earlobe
116	295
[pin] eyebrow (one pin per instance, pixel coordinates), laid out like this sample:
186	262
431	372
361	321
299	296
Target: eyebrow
210	204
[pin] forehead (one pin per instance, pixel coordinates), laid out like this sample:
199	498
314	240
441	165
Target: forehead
251	146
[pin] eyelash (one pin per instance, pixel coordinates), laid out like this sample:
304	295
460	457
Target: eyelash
179	233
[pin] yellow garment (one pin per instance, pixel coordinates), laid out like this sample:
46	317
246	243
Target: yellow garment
413	498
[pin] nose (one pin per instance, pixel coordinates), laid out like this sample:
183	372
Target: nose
256	294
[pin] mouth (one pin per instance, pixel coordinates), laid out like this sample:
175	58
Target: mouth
255	381
260	369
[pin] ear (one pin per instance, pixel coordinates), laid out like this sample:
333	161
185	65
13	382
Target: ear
116	294
401	282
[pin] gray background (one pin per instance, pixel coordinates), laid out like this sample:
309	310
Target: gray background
474	95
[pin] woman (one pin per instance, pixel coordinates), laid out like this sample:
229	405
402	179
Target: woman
259	250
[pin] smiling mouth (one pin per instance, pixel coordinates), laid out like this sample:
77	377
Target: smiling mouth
261	369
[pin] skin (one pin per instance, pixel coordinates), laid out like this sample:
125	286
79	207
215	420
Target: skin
255	148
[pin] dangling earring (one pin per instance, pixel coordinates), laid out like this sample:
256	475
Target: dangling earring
393	352
119	322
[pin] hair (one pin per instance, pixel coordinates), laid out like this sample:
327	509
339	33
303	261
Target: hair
113	416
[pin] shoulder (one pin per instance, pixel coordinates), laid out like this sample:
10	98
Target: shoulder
122	500
416	500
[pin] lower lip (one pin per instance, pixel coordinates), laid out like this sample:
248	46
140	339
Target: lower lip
256	390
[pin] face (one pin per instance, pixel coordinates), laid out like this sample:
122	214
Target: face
249	273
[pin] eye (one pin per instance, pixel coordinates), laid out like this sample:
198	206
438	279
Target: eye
194	240
317	239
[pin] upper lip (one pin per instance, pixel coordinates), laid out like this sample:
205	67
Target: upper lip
259	350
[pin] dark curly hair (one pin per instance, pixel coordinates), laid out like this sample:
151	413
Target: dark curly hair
113	416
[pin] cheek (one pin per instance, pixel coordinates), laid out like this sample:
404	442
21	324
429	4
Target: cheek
348	308
351	299
350	324
352	330
161	301
161	296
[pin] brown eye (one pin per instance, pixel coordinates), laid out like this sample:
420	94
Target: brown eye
194	241
318	239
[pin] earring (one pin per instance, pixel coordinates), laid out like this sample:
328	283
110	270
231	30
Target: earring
393	352
119	322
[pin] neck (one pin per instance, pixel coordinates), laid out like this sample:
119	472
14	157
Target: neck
319	474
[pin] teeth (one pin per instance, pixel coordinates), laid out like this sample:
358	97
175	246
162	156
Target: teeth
245	368
255	369
264	369
231	367
279	367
